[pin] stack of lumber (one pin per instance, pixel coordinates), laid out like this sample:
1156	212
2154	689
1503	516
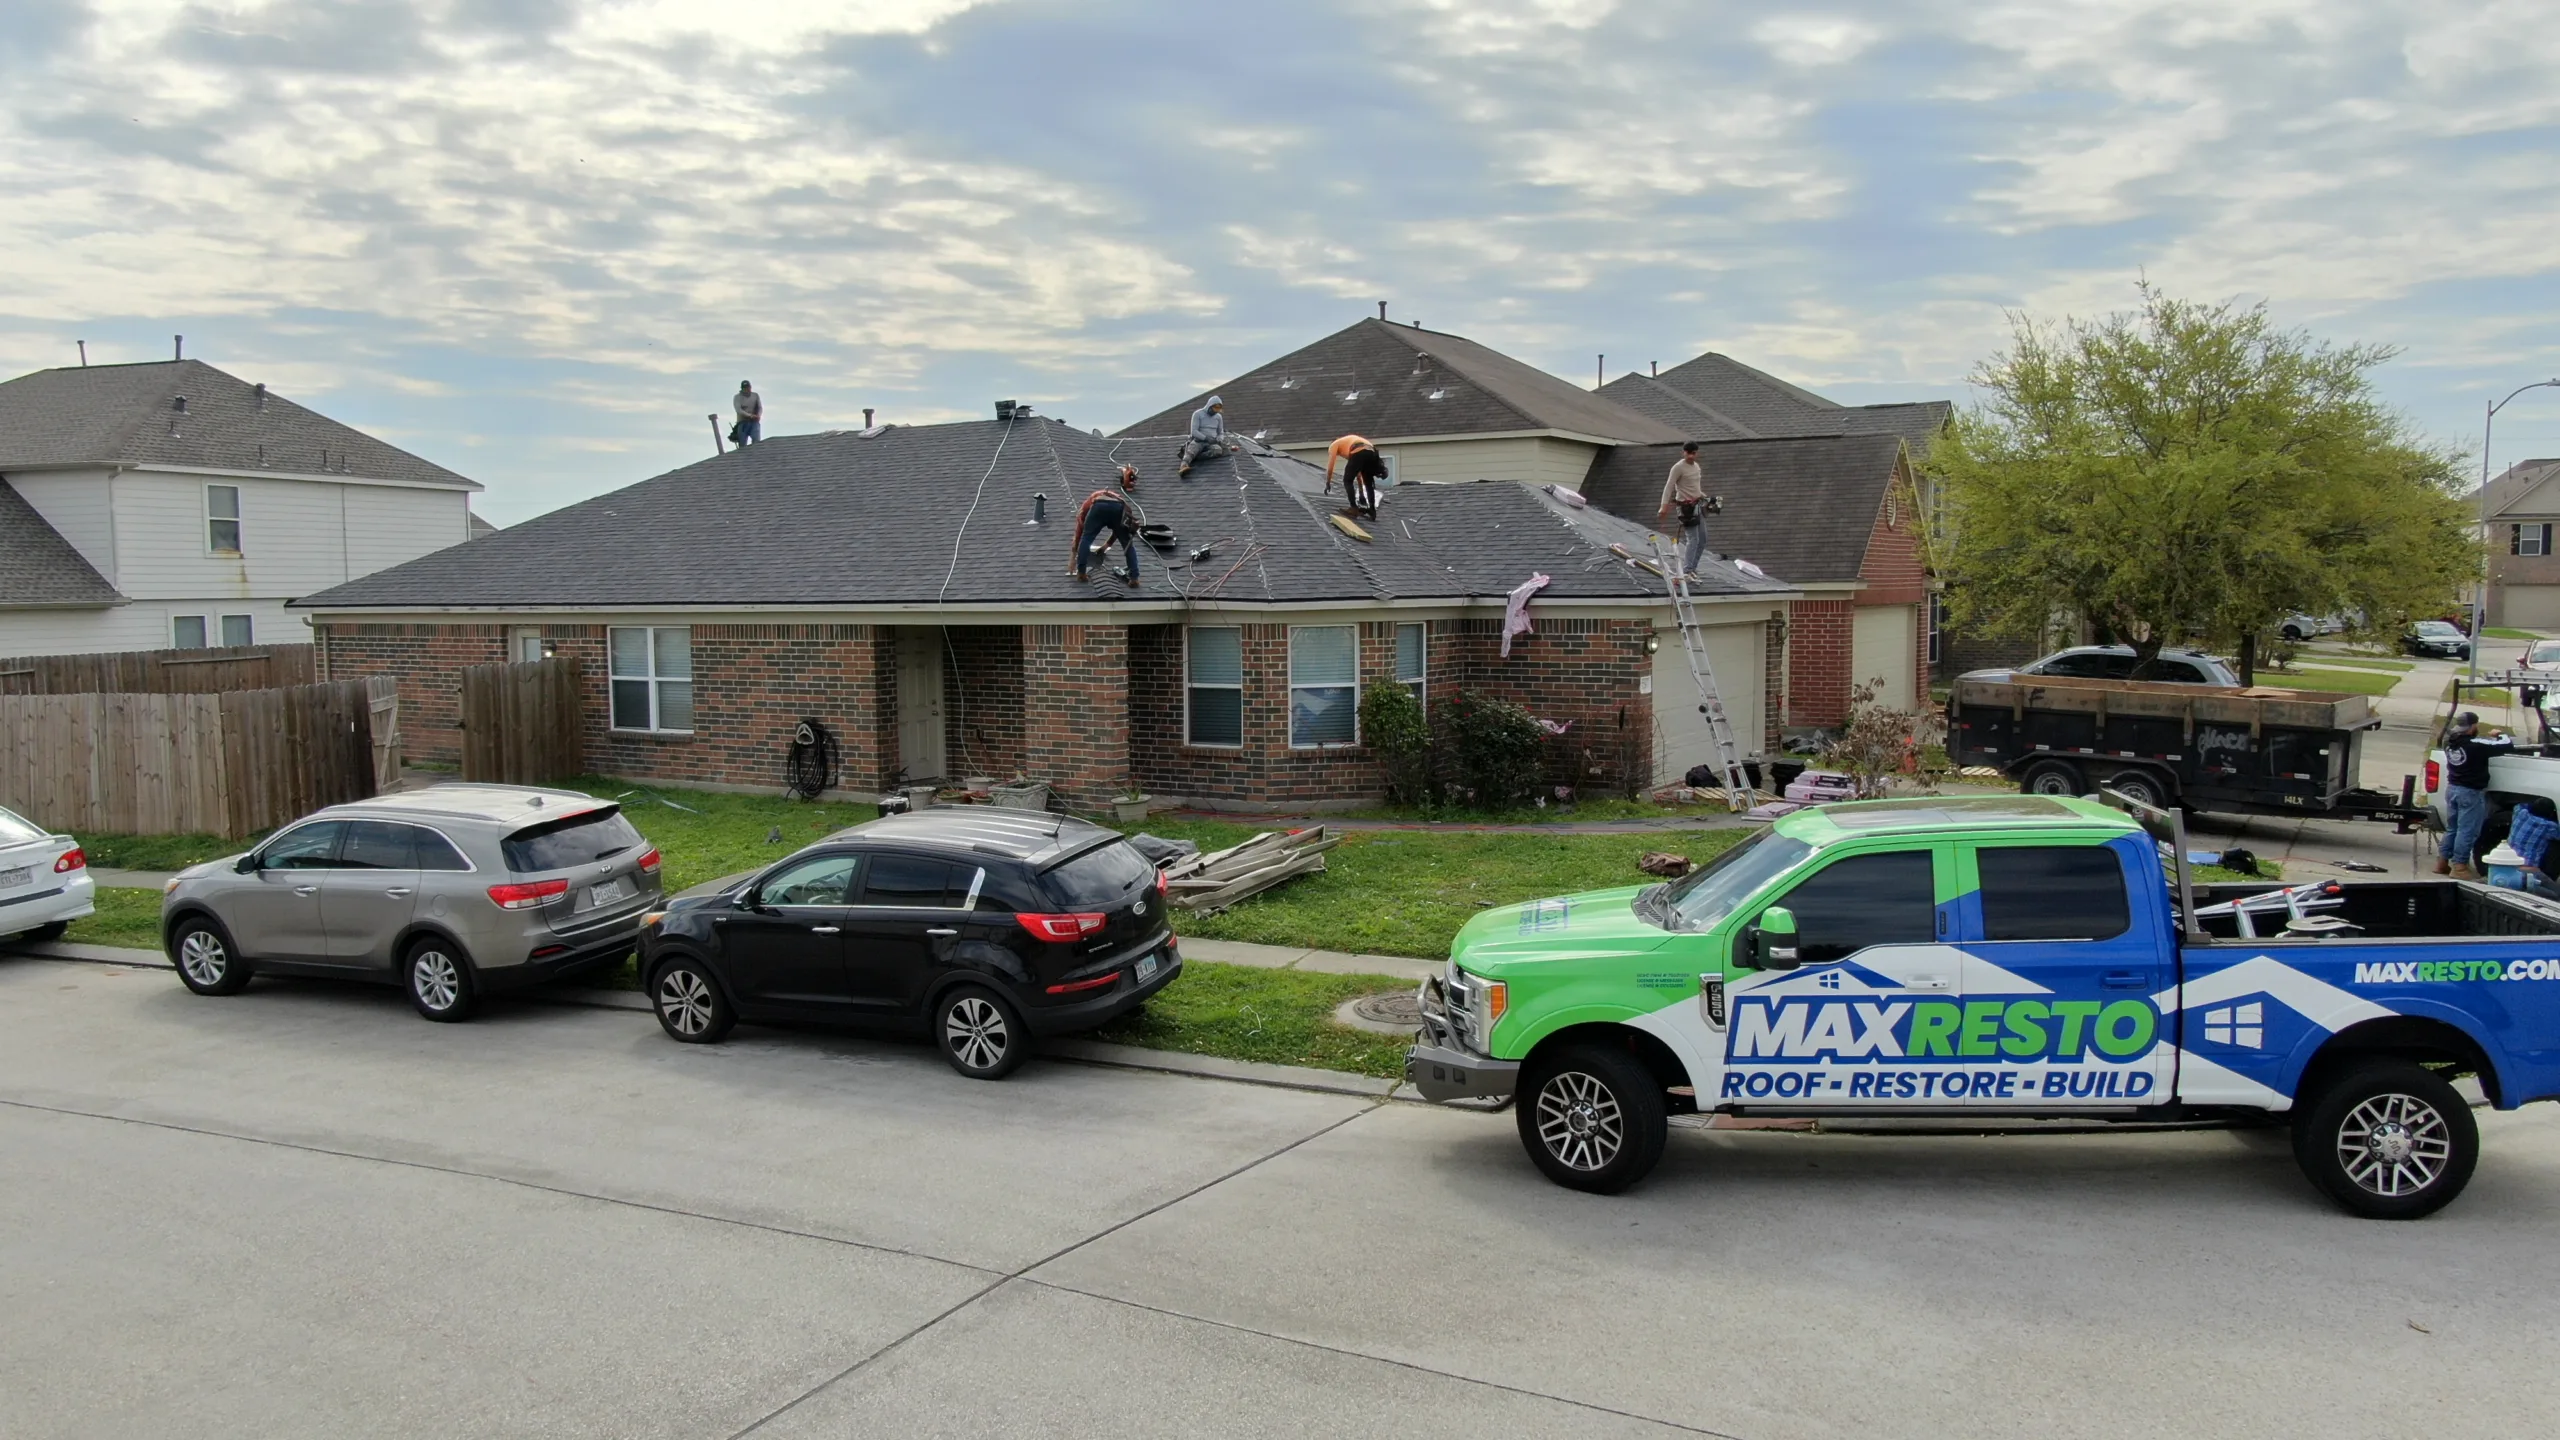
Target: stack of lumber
1207	884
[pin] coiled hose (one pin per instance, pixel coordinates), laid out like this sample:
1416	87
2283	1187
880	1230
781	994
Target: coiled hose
809	768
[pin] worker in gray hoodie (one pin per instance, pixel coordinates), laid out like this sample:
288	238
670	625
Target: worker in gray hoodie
1208	435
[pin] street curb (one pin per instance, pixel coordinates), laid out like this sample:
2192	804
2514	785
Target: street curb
89	954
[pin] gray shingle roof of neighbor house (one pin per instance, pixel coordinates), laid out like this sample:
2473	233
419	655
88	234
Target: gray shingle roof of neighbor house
939	513
1801	508
1394	381
2512	485
1721	398
40	568
129	415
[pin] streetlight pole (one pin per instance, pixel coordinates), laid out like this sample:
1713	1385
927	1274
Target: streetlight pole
2480	598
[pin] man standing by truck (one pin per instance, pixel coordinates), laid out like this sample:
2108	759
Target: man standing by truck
2466	793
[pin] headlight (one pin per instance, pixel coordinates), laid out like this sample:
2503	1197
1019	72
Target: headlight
169	886
1476	1003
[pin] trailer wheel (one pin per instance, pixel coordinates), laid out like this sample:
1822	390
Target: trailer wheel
2053	777
2139	786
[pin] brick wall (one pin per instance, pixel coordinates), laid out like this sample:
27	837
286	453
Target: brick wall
428	660
1773	681
1819	634
982	700
1588	672
1075	710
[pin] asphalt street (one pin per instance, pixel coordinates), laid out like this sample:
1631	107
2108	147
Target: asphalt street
304	1212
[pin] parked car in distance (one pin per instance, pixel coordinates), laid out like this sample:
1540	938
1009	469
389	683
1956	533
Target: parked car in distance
453	892
44	880
2543	658
2437	638
2297	628
984	928
2115	662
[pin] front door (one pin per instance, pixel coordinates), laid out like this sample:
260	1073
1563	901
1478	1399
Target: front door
275	913
365	903
2062	981
787	953
920	703
1867	1019
907	917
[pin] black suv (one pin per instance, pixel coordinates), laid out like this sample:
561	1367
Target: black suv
985	927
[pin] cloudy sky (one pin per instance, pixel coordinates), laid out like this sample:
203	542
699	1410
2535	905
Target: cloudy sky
538	240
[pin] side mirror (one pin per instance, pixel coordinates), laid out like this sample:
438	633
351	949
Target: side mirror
247	864
1773	940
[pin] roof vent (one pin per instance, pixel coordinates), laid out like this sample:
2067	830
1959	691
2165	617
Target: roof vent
1421	363
262	394
1021	412
1439	394
1288	382
179	404
866	417
1261	434
1350	395
1005	409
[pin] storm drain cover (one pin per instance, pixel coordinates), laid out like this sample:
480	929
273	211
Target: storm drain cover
1399	1008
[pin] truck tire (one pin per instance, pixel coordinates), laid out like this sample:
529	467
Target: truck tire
2139	785
2387	1139
1592	1117
2053	777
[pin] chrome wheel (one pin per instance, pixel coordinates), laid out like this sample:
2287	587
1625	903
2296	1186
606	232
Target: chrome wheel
684	1002
2394	1145
201	955
1579	1121
436	979
974	1029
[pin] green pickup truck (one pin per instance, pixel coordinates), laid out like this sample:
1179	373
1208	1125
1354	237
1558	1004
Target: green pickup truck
2004	956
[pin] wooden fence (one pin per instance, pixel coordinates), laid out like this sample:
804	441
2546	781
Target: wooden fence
522	724
230	764
160	672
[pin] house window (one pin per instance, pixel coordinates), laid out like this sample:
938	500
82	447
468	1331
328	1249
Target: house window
652	678
236	630
222	519
1411	660
1937	628
1324	685
1213	681
186	632
2529	539
527	643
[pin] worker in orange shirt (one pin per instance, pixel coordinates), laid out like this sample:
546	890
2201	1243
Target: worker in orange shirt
1362	468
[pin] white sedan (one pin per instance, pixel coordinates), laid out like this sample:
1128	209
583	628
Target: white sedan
44	880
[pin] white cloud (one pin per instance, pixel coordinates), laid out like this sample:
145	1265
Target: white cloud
1815	39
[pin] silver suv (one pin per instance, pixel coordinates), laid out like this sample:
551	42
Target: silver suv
451	892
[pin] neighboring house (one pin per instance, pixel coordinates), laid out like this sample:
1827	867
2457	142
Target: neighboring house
166	505
1716	397
895	586
1831	516
2524	573
1437	406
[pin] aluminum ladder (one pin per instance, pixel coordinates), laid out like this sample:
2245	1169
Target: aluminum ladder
1737	782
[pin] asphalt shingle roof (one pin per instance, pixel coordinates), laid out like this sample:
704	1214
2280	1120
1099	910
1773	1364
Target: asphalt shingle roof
38	566
2512	485
1728	400
1395	381
128	415
838	519
1800	509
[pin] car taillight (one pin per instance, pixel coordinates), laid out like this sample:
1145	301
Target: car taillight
649	862
72	859
1162	884
1096	983
525	897
1061	927
2434	775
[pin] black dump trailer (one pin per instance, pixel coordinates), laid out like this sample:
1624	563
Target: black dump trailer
2254	751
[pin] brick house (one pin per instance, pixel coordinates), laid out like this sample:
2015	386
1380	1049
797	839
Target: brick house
1831	516
2522	511
908	587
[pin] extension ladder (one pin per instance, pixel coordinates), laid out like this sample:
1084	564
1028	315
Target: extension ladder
1737	782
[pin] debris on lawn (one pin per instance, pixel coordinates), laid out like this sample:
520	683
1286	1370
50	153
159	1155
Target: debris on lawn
1207	884
1665	864
1162	852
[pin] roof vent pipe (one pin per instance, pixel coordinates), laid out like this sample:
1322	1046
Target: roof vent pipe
1039	509
1382	309
1005	409
84	353
262	394
179	404
866	417
179	352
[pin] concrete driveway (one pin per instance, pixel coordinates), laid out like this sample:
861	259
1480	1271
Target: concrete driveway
302	1211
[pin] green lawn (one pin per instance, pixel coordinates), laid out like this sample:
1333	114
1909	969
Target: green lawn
2500	632
1279	1017
2359	662
159	852
125	917
2349	682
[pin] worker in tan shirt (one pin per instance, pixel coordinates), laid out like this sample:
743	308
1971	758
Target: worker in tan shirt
1686	489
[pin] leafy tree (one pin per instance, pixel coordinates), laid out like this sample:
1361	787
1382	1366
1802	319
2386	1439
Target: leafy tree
2189	472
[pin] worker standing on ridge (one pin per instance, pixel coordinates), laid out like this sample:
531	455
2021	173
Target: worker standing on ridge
1686	488
1208	435
1112	514
750	407
1362	468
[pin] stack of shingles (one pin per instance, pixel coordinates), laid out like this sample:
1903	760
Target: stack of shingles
1207	884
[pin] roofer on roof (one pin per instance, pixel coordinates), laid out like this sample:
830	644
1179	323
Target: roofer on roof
1362	468
1108	515
1208	435
1686	487
750	407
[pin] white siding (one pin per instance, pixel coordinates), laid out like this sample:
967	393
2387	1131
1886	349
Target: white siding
1530	459
75	503
387	526
1884	642
143	626
1680	737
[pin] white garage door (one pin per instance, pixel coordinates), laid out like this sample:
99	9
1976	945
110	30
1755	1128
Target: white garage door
1679	731
2528	607
1884	643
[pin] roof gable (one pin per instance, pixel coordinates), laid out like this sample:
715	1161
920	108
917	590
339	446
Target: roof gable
1800	508
2528	489
1764	405
40	568
1397	381
920	515
129	415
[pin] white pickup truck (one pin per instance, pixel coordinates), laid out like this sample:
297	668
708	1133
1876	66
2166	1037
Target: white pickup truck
2530	771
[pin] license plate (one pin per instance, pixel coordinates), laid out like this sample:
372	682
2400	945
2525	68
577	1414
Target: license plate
1146	967
608	892
10	879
